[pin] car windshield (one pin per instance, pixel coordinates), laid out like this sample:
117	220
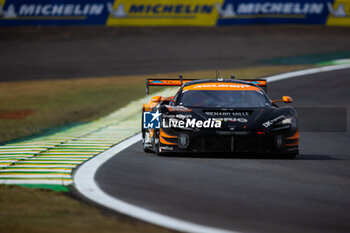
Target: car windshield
227	99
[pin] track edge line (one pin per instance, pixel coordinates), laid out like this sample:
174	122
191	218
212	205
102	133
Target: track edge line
85	183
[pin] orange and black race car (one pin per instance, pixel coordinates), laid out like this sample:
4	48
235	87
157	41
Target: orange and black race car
218	115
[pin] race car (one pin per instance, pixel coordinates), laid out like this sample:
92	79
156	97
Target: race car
219	115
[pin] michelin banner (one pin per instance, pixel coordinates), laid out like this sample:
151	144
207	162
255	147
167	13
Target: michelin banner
166	12
285	12
54	12
174	12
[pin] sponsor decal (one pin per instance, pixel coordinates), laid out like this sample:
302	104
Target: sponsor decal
166	148
273	11
179	116
19	12
270	8
183	141
191	123
164	82
174	12
241	86
169	116
339	13
183	116
151	120
155	81
226	113
160	12
241	120
271	122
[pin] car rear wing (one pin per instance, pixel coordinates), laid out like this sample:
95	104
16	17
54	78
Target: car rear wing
165	82
262	83
179	82
258	82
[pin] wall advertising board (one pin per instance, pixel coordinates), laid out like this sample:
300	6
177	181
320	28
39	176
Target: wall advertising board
174	12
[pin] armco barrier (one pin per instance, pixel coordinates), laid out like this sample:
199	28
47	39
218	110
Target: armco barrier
174	12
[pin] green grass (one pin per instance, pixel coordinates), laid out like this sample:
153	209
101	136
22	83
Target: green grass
57	103
37	210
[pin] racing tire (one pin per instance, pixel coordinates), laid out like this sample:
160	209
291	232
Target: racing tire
146	150
157	150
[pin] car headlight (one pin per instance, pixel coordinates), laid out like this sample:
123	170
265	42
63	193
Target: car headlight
284	124
286	121
290	121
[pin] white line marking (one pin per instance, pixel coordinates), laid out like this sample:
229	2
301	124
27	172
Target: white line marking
86	144
9	170
68	153
33	181
33	147
80	157
85	183
34	176
19	152
43	166
84	176
299	73
7	150
47	162
58	159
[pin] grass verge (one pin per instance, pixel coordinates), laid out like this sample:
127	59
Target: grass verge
30	107
38	210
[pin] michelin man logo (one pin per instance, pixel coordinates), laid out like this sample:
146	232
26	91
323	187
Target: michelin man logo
228	12
9	13
117	13
339	12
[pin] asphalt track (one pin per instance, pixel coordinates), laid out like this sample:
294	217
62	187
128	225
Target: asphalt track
29	53
308	194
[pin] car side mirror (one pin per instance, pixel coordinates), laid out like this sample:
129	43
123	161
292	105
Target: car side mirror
286	99
156	98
